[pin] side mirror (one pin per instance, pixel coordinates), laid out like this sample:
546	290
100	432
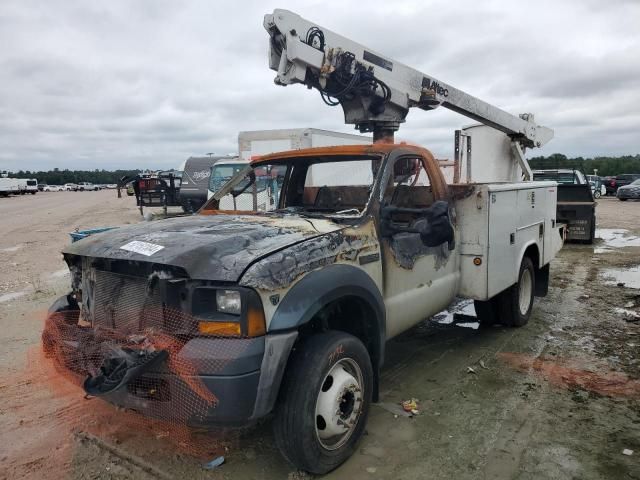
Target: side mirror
405	167
433	224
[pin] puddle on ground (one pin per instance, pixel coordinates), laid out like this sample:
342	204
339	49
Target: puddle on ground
629	276
461	306
615	238
571	374
11	296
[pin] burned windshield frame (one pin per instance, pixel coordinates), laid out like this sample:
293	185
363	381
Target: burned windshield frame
296	171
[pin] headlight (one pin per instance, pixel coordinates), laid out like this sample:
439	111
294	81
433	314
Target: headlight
228	301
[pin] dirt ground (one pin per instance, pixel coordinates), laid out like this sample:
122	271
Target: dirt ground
558	399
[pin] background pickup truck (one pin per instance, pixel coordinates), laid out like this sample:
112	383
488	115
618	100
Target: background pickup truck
234	315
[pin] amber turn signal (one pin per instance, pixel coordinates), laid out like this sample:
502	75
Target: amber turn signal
256	325
222	329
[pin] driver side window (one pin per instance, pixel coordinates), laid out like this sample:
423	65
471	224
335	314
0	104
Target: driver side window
409	185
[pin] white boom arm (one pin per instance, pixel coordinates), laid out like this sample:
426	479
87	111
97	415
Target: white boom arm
375	92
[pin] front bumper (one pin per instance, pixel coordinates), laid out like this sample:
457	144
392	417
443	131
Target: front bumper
206	382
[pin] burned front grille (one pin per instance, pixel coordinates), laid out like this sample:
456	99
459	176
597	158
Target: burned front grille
126	303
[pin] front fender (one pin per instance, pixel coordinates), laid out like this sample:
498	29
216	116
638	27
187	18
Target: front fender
321	287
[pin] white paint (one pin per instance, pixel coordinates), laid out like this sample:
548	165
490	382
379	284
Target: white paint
473	325
63	272
12	296
143	248
11	249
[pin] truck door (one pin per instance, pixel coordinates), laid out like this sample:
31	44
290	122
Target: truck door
419	280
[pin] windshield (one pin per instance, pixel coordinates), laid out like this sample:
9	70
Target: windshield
314	186
636	182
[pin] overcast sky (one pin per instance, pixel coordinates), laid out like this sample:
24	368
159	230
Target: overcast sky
145	84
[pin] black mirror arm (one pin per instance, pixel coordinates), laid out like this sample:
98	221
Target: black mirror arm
388	228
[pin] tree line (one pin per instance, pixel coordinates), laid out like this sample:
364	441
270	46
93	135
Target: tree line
606	166
60	177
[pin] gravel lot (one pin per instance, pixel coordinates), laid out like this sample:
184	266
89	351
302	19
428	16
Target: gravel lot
559	398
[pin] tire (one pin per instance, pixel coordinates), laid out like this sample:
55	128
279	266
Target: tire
487	311
597	194
623	199
309	384
512	308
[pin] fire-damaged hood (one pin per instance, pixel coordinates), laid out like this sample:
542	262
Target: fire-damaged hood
210	247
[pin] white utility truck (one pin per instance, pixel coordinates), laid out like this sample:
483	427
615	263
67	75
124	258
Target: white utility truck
287	309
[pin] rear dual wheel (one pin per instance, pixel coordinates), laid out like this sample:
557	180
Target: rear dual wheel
513	306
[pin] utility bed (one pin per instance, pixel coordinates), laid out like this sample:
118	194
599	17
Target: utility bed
497	224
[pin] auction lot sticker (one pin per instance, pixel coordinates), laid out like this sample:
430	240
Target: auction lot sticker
143	248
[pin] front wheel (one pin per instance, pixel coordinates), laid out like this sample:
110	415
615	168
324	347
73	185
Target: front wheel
516	302
597	194
622	199
324	401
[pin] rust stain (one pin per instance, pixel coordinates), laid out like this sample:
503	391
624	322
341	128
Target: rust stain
566	373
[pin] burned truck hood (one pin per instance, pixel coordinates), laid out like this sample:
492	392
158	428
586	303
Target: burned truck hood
211	247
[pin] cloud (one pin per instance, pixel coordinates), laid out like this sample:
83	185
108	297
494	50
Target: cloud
145	84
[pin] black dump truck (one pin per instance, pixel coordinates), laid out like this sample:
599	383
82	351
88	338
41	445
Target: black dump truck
576	205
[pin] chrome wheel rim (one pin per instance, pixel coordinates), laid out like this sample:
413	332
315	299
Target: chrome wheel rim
525	288
339	404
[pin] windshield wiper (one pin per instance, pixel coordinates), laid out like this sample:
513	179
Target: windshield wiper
348	210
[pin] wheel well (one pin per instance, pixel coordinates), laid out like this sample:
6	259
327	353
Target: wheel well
353	315
541	272
533	253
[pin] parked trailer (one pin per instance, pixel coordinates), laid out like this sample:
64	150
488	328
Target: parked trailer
252	144
196	172
9	186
